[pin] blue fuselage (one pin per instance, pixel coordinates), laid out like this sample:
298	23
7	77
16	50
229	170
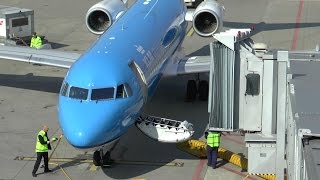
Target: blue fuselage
106	88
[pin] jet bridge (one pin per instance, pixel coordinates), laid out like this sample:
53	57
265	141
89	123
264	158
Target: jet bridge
272	96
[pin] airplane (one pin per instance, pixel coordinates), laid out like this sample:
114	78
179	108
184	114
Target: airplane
106	88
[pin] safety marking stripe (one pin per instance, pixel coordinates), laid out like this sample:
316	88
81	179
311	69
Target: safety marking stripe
93	168
175	164
258	174
190	32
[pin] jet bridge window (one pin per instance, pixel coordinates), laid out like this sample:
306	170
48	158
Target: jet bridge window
253	84
64	89
123	91
20	22
78	93
102	94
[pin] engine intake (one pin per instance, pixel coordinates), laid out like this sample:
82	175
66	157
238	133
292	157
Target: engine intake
208	18
103	14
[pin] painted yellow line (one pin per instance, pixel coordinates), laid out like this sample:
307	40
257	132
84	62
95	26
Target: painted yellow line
138	179
190	32
93	168
175	164
21	158
64	172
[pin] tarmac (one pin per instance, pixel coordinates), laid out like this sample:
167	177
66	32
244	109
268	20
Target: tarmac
28	95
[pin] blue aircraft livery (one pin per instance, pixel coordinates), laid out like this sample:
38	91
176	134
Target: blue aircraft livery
105	90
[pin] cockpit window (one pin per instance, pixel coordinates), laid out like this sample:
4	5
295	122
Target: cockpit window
102	94
128	89
78	93
64	89
123	91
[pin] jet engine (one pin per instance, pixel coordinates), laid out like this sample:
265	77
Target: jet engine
103	14
208	18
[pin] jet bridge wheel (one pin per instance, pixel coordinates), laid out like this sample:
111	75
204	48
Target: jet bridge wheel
203	90
191	91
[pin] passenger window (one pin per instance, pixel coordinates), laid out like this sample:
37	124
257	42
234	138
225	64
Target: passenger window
78	93
64	89
121	93
102	94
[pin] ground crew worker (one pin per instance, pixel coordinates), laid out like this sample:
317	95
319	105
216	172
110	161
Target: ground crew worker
36	41
213	143
42	147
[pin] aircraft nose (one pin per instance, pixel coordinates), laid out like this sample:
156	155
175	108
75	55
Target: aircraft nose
86	124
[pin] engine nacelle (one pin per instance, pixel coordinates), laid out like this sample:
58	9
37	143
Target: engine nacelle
208	18
103	14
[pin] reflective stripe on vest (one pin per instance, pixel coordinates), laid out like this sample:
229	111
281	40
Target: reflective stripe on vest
213	139
42	147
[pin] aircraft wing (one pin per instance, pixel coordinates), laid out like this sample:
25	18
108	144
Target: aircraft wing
186	65
189	65
43	56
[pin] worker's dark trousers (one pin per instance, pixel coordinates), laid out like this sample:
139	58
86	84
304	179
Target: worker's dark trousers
37	164
212	155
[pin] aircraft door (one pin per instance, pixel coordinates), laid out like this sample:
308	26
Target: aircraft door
141	78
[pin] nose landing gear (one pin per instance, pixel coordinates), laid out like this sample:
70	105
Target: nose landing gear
197	87
104	159
101	159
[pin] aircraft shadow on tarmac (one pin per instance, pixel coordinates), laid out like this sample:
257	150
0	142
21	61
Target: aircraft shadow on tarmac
55	45
168	101
31	82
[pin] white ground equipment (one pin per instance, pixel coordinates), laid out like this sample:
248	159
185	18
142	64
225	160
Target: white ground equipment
15	22
165	130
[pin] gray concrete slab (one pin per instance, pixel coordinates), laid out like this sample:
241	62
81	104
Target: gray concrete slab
29	100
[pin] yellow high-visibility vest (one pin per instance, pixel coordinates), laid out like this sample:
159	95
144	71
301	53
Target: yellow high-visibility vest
42	147
36	42
213	139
